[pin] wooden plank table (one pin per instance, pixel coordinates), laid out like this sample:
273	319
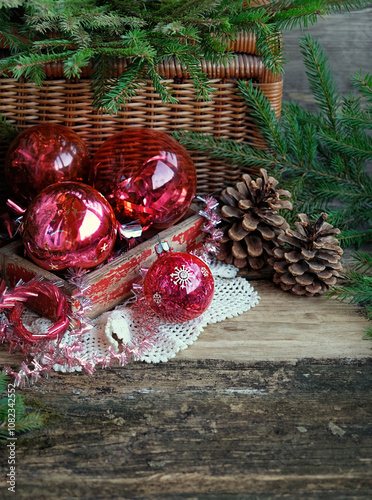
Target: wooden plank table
275	403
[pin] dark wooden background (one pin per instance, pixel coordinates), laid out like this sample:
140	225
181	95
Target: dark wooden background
347	41
205	428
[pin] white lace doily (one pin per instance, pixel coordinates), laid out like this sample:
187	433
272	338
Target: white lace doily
232	296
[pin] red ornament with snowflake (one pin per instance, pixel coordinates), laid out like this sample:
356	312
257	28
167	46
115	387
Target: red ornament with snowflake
178	286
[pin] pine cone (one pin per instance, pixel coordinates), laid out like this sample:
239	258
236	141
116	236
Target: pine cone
252	224
311	260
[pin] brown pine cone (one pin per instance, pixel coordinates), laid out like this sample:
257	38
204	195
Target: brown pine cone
309	261
251	221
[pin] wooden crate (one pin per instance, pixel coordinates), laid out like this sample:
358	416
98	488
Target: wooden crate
111	283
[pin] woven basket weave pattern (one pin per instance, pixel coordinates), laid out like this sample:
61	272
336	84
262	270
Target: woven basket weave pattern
68	102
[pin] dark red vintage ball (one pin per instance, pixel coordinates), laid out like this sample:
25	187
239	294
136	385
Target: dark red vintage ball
42	155
146	175
178	286
69	224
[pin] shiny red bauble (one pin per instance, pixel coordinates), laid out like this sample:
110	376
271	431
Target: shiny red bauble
178	286
69	224
42	155
146	175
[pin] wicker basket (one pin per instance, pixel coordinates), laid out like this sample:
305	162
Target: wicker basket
68	102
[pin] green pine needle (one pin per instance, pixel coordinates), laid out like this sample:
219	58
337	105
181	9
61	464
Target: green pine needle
8	132
128	84
264	116
226	150
76	33
356	286
320	79
25	420
363	84
322	156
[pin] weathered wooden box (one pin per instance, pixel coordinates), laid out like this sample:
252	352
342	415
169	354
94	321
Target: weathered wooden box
111	283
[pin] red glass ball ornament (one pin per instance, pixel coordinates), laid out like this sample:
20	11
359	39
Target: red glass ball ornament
69	224
146	175
42	155
178	286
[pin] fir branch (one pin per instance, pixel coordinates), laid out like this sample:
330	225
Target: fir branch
363	84
225	7
24	420
190	64
101	80
348	147
72	67
304	116
289	15
356	286
268	46
264	116
136	44
161	86
332	189
227	150
360	123
9	39
29	422
125	87
354	237
32	65
364	262
187	8
301	16
205	26
324	170
354	119
51	44
10	4
43	24
355	214
356	289
110	21
8	131
320	79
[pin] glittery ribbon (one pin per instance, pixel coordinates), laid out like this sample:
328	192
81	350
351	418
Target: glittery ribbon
131	229
212	234
41	351
44	352
8	228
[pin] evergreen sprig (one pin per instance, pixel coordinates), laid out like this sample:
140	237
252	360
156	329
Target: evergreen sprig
8	132
323	156
357	285
24	420
38	32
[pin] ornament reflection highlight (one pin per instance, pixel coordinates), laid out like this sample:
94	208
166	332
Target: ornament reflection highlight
69	224
42	155
146	175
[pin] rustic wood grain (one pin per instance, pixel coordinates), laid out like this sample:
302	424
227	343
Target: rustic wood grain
285	327
201	430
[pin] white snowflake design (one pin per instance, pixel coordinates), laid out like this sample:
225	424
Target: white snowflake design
204	271
156	298
182	276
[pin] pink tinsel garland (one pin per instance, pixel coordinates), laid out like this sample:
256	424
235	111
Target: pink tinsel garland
43	351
